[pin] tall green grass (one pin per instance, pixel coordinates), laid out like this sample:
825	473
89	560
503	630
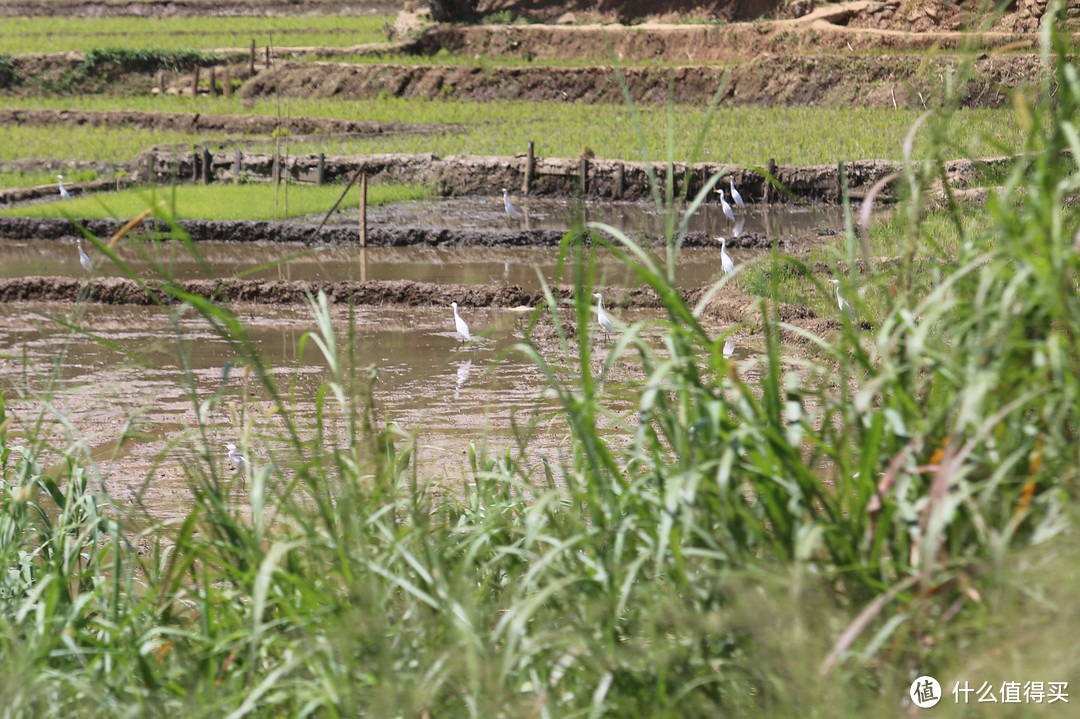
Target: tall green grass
775	537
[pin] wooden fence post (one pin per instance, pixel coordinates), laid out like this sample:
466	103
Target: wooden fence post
213	81
363	209
236	166
251	66
195	83
530	167
320	170
768	185
620	181
207	169
584	171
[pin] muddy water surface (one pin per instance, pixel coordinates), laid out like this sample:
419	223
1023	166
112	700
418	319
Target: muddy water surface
462	265
146	376
130	385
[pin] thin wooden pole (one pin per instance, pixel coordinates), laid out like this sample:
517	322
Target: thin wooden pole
530	167
620	181
213	81
320	170
236	166
363	209
207	170
195	83
768	184
226	83
251	65
584	170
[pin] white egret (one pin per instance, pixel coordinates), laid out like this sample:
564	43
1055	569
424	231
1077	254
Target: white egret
603	319
735	193
725	259
511	211
729	347
64	194
459	325
726	207
842	303
84	259
238	460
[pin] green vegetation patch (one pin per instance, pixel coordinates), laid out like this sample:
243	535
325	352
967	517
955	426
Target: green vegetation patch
218	202
44	177
22	35
742	135
144	59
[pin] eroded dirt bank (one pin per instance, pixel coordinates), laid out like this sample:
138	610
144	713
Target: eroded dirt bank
29	228
779	79
729	306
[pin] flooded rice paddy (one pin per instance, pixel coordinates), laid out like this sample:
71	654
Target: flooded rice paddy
129	385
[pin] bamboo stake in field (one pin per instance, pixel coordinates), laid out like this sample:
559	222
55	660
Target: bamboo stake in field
530	167
363	209
352	181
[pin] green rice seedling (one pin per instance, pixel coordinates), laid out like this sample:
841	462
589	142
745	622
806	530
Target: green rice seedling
217	202
746	136
22	35
33	179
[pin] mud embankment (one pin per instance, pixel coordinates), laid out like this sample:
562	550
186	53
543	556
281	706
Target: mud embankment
202	123
561	177
774	78
485	175
30	228
59	229
729	306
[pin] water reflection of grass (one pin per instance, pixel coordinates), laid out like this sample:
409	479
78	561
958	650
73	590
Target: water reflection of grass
744	135
253	201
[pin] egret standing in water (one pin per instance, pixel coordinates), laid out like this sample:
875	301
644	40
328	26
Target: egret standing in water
842	303
725	259
511	211
84	259
603	319
64	194
238	460
735	193
459	325
726	207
